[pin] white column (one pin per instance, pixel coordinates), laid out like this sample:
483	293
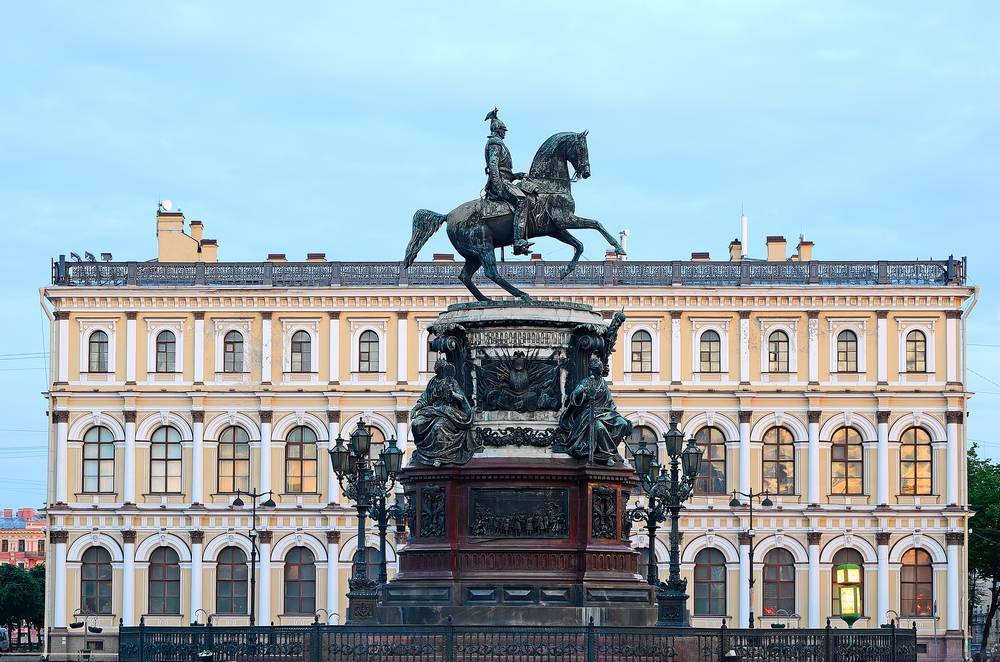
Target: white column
62	455
265	451
744	347
402	430
882	328
954	540
129	347
951	344
62	325
199	348
128	578
264	579
197	540
198	457
334	348
675	347
59	606
745	451
744	589
333	431
332	577
812	489
954	419
882	459
882	578
130	469
402	371
813	332
813	589
265	349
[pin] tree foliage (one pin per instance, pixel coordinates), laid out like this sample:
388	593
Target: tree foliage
984	536
22	598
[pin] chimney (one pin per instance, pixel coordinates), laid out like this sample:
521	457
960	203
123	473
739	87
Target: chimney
700	257
735	250
8	512
536	257
776	248
209	250
315	257
197	230
623	238
804	249
611	256
744	231
443	257
276	257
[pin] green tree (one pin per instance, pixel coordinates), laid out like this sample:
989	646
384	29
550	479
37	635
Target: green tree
16	594
984	536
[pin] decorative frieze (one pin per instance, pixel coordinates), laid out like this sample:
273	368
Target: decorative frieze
432	512
604	513
519	513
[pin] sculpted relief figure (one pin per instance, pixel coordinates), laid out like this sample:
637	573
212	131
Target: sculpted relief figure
442	420
591	426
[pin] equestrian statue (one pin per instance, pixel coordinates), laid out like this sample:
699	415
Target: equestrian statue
516	207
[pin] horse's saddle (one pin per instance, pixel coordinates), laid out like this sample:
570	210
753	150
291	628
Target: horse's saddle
493	208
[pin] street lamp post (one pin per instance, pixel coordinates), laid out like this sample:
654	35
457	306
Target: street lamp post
765	501
382	512
365	481
665	494
238	503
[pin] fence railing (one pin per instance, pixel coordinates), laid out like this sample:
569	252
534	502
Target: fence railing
444	274
447	643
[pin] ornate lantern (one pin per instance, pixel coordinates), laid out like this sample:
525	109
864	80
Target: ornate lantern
642	457
361	440
848	577
674	439
339	456
691	459
393	457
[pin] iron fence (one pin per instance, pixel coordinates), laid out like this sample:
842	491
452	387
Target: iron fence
448	643
539	274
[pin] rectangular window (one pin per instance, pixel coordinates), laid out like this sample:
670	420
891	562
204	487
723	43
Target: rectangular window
20	545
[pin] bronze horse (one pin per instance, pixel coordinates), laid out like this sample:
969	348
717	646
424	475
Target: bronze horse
550	214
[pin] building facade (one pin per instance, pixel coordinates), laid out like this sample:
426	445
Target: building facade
837	386
22	537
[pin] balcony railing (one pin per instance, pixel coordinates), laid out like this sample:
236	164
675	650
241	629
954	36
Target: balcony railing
535	274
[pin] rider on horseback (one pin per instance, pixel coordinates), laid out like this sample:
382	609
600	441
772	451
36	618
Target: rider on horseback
500	180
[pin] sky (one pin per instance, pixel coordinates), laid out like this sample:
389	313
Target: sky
870	128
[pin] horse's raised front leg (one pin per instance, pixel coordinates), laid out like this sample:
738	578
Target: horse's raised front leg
490	268
581	223
472	265
567	238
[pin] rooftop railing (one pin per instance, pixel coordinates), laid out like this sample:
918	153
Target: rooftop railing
537	274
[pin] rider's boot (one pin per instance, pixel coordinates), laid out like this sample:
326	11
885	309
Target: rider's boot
521	245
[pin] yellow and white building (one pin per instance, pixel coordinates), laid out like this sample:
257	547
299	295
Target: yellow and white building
840	386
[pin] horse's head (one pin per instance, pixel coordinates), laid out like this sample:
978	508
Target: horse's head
579	156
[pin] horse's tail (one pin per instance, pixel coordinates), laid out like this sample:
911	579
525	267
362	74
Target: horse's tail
425	224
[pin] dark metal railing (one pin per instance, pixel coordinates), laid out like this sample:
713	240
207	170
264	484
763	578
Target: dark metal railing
447	643
537	274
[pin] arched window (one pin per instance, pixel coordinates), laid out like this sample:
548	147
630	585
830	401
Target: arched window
779	461
432	356
712	472
98	460
98	352
915	462
95	581
166	347
709	583
378	441
368	352
842	556
300	460
847	351
642	433
300	581
846	462
164	582
777	352
916	584
779	582
710	352
234	460
231	573
232	352
372	561
642	351
165	461
916	351
301	352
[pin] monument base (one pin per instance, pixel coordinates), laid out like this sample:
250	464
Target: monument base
504	540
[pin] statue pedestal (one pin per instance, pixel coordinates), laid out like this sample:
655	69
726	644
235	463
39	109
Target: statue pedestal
518	541
516	492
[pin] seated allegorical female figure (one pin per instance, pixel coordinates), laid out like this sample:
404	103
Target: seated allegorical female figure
442	420
591	426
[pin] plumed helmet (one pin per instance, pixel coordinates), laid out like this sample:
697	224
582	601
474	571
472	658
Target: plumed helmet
496	123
